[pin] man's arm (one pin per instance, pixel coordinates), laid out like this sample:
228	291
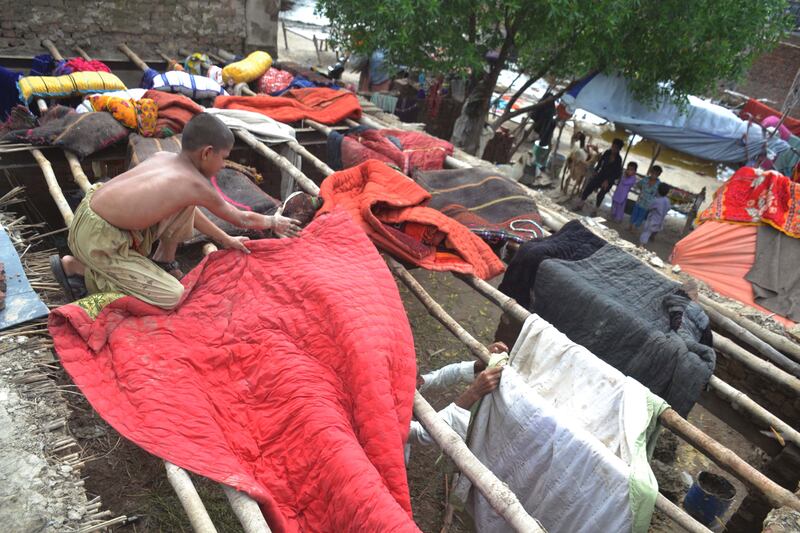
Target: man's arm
211	230
248	219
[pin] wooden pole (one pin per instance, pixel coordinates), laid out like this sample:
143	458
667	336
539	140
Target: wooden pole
285	41
733	351
656	153
679	516
281	162
52	186
777	341
77	171
497	493
729	461
136	60
82	53
190	500
47	43
247	511
741	402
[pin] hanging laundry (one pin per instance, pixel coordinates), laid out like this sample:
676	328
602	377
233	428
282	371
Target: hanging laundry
568	434
69	85
391	209
493	207
262	127
274	80
139	115
327	106
261	377
78	64
174	111
754	196
618	308
405	150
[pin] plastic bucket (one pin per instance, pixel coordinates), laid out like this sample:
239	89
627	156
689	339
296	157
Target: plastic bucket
709	497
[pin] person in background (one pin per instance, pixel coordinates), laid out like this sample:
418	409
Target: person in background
457	414
648	190
606	173
656	214
624	186
698	201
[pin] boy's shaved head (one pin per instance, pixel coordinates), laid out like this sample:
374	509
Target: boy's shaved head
206	130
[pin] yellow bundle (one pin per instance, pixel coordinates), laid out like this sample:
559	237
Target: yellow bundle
248	69
69	85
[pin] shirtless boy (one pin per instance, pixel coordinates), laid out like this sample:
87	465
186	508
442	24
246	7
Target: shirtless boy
117	223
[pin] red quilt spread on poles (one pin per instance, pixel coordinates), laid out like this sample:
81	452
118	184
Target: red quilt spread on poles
407	150
759	111
322	104
392	209
287	373
754	196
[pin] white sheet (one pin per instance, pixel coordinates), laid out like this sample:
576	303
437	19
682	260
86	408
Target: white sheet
261	126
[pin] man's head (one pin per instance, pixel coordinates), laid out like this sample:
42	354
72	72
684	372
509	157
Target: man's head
630	168
663	189
616	145
207	142
655	172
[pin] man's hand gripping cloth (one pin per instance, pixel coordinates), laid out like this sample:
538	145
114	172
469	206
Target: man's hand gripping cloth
568	433
287	373
324	105
393	211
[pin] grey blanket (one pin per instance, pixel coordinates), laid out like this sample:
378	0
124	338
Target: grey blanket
619	309
775	275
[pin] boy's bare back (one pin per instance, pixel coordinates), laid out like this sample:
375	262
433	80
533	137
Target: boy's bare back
151	191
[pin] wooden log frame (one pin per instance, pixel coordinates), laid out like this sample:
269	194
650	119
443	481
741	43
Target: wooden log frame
717	452
190	500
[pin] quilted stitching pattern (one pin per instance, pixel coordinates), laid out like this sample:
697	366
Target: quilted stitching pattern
287	373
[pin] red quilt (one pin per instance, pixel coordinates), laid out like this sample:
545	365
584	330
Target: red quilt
406	150
287	373
758	112
753	196
174	111
322	104
393	210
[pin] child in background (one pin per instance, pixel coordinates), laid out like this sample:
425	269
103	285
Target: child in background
647	193
621	193
656	214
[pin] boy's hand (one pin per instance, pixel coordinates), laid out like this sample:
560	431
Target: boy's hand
236	243
284	226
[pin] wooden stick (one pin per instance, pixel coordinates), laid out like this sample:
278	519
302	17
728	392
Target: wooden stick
82	53
759	366
77	171
247	511
320	165
679	516
739	332
47	43
497	493
136	60
777	341
53	187
190	500
42	105
729	461
741	402
284	164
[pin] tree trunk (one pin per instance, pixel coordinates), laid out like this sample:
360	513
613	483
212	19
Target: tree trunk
469	125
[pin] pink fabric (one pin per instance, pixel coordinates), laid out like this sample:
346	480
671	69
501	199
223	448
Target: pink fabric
772	121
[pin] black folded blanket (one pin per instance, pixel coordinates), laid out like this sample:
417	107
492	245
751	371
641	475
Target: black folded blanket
619	308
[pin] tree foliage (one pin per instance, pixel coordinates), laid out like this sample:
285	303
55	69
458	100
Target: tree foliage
659	45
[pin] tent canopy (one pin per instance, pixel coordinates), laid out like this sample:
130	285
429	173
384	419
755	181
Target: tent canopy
701	129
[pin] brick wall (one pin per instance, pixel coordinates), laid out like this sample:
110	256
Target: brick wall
772	74
98	26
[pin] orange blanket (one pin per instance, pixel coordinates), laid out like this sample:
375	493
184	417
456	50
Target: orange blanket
391	208
324	105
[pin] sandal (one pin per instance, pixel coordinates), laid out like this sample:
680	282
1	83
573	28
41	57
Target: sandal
74	286
171	267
